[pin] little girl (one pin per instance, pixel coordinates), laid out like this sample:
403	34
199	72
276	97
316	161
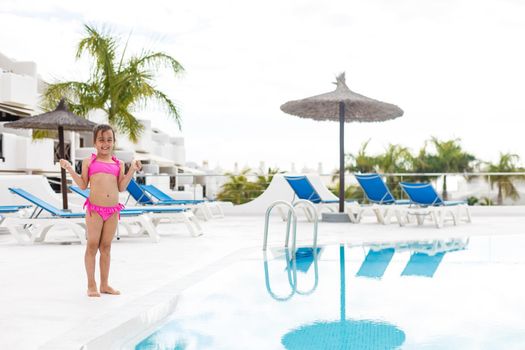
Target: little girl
105	176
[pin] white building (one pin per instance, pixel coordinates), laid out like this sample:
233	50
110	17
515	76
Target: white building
18	98
163	155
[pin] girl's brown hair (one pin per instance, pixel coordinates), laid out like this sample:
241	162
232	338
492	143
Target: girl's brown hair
102	128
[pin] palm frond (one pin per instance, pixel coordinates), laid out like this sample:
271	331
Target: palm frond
158	60
81	97
127	123
102	48
169	106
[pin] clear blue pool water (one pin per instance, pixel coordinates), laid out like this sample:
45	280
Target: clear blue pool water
441	294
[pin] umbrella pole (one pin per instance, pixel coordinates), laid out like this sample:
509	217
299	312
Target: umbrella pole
343	284
341	157
62	170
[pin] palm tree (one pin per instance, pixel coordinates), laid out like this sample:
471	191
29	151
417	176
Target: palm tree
507	163
449	157
360	162
264	181
421	163
239	189
395	159
118	85
352	192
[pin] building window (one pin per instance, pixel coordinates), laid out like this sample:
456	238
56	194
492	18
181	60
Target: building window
67	151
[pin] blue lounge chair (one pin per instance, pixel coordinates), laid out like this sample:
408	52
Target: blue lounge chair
35	228
159	213
142	198
8	209
162	197
206	207
383	203
304	190
376	262
426	201
139	195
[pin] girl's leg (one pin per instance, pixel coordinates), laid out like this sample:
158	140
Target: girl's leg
108	232
94	231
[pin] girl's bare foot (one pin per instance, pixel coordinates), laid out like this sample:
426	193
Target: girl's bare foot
109	290
93	292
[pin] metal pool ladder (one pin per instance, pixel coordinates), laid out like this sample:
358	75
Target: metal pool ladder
291	222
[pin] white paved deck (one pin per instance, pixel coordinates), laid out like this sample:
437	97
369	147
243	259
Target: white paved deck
42	287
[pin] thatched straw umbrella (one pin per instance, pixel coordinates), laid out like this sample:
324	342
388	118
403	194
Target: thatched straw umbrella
342	105
62	119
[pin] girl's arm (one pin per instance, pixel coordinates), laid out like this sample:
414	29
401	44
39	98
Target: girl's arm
123	180
82	180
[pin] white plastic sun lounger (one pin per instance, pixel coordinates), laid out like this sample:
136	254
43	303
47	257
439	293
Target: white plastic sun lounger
34	229
157	214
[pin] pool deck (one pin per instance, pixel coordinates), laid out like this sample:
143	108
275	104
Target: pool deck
42	287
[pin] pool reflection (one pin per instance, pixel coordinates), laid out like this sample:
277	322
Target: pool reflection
425	258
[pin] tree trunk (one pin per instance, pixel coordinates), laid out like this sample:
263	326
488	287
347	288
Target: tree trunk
445	194
500	195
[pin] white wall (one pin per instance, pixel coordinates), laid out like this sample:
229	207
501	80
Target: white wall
18	82
279	189
18	89
145	142
17	67
21	153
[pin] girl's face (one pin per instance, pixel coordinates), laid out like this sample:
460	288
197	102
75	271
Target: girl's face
104	142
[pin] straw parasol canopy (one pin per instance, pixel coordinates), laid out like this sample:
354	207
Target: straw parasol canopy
60	119
342	105
61	116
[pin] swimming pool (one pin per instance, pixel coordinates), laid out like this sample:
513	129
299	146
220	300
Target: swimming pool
441	294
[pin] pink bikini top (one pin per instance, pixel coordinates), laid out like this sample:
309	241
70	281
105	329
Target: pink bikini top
101	167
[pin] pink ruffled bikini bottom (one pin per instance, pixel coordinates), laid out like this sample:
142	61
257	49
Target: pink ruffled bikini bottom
104	212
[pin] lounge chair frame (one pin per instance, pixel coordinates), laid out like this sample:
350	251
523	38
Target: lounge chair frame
385	207
34	229
159	214
435	208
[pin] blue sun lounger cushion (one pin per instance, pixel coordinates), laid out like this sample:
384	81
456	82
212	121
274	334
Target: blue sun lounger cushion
141	209
59	212
12	208
424	194
304	189
138	194
70	219
45	205
376	191
164	198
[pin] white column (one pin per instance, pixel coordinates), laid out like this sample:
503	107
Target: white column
73	143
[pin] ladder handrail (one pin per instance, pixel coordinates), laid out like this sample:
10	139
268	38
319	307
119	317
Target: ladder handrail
309	204
293	222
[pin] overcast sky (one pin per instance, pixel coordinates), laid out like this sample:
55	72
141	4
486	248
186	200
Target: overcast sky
457	69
